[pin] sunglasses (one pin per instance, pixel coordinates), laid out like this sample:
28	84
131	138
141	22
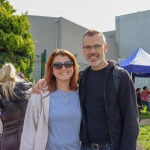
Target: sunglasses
59	65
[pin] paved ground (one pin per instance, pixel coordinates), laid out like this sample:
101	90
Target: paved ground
139	147
145	122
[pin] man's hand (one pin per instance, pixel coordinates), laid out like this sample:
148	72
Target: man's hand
39	86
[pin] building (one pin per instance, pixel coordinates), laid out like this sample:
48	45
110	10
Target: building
132	31
50	33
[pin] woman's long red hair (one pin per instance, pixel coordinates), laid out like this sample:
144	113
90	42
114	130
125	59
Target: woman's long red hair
50	78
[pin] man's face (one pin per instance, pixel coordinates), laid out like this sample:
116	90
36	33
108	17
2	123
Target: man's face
146	89
94	50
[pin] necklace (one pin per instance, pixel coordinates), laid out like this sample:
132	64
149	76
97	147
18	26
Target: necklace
64	95
65	98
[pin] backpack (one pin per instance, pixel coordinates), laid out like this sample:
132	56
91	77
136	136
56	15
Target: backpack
116	78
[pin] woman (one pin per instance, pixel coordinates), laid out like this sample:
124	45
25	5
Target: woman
14	96
52	120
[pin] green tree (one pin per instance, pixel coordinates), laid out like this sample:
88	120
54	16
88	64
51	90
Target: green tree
16	43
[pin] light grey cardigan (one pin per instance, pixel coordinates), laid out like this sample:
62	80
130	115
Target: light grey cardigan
35	129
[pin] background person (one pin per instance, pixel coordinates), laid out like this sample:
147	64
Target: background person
53	118
22	76
139	100
145	95
14	96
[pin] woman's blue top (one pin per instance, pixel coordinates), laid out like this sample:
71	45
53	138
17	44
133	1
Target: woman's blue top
64	121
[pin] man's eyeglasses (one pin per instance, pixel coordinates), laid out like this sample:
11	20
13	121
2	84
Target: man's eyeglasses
59	65
96	47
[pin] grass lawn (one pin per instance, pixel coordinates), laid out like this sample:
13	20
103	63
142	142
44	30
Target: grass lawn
144	134
143	114
144	137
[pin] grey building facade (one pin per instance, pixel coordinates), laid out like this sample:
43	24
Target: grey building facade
132	31
50	33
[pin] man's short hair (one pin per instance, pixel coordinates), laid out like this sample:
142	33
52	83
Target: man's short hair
144	87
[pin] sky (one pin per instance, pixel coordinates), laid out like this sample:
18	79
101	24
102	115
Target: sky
96	14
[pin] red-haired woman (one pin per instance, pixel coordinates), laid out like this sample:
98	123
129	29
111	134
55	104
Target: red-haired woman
52	120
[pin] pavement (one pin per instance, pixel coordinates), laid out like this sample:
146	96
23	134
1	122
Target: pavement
145	122
139	147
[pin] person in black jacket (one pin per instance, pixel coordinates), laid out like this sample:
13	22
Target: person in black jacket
109	117
14	96
139	99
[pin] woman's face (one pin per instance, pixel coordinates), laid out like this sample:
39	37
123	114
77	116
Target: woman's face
62	72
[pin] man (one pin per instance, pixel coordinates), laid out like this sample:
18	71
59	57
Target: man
110	117
145	95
